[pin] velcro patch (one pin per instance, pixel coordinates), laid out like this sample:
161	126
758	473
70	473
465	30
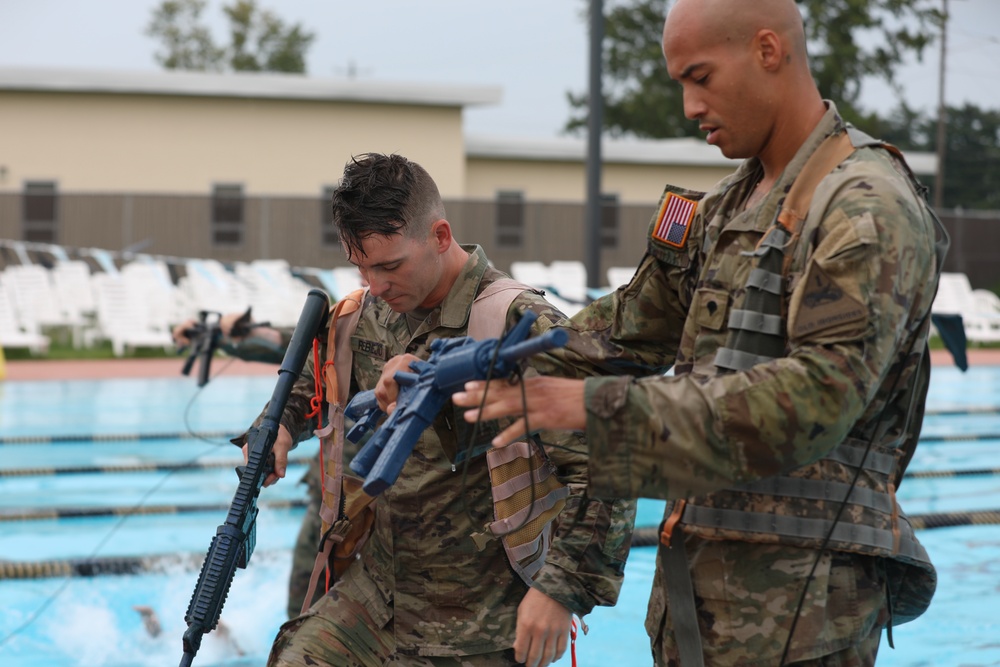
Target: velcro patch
673	222
825	306
372	348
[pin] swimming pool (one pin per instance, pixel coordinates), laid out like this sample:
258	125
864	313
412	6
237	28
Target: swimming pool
78	456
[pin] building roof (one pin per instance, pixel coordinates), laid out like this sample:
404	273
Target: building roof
688	151
242	85
257	85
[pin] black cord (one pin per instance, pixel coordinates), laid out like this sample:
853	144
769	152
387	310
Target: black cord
472	443
843	505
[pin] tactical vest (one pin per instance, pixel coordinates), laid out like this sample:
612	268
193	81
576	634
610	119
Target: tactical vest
527	495
829	503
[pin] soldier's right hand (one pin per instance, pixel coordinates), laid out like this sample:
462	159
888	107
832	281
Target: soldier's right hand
282	445
387	390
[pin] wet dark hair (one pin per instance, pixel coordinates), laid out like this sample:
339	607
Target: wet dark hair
384	195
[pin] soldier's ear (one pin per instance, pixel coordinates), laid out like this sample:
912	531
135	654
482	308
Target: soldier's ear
441	234
768	48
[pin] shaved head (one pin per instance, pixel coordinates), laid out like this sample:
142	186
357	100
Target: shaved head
744	72
737	21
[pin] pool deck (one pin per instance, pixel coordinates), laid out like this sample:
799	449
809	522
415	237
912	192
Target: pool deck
138	368
42	369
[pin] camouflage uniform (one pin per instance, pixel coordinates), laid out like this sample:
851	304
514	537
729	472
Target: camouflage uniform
854	317
421	587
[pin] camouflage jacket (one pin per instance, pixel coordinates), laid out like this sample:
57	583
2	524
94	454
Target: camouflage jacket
855	316
420	567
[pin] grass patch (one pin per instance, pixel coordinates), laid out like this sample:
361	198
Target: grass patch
61	351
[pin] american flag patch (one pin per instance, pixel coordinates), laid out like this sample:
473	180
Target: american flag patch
673	222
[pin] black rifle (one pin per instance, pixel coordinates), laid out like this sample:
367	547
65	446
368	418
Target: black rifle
205	335
235	539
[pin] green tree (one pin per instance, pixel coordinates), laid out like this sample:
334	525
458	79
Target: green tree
972	146
641	100
259	39
187	43
972	153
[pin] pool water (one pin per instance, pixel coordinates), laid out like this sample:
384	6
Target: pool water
55	437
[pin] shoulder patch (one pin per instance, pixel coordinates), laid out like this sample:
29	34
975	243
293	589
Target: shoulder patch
826	307
673	221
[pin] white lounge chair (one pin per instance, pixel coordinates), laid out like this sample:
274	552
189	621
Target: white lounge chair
125	318
15	334
980	317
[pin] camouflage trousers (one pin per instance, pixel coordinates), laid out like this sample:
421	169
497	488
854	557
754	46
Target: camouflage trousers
338	631
304	553
746	599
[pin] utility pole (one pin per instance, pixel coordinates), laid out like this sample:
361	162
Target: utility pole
942	120
592	235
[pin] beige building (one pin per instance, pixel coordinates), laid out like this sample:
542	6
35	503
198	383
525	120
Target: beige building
236	166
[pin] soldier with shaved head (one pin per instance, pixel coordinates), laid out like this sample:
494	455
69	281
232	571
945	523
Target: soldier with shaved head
792	302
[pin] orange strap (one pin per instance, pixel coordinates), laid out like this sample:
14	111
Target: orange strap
835	149
327	387
671	522
316	402
346	306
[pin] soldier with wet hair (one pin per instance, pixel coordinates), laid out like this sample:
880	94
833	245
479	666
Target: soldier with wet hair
422	591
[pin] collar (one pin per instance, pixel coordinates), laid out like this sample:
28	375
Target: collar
456	305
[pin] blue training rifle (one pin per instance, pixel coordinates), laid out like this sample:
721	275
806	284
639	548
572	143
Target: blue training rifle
422	394
234	541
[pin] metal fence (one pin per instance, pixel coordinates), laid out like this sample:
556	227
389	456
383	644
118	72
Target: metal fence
297	229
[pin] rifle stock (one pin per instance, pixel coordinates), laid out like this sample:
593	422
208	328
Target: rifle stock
234	541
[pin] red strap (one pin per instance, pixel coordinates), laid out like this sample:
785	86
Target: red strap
316	402
572	643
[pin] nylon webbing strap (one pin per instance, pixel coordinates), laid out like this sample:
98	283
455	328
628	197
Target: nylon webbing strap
751	320
727	357
819	489
680	595
834	150
814	529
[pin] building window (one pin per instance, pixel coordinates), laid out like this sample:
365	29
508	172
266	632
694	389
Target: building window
329	235
609	221
510	219
41	208
227	215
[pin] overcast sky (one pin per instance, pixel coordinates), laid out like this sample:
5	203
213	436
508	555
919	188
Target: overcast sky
535	50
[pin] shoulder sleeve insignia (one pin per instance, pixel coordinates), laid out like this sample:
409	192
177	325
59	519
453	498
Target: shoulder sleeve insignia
673	221
826	308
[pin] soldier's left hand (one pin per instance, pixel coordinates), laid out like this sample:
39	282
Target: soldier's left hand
543	627
547	402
